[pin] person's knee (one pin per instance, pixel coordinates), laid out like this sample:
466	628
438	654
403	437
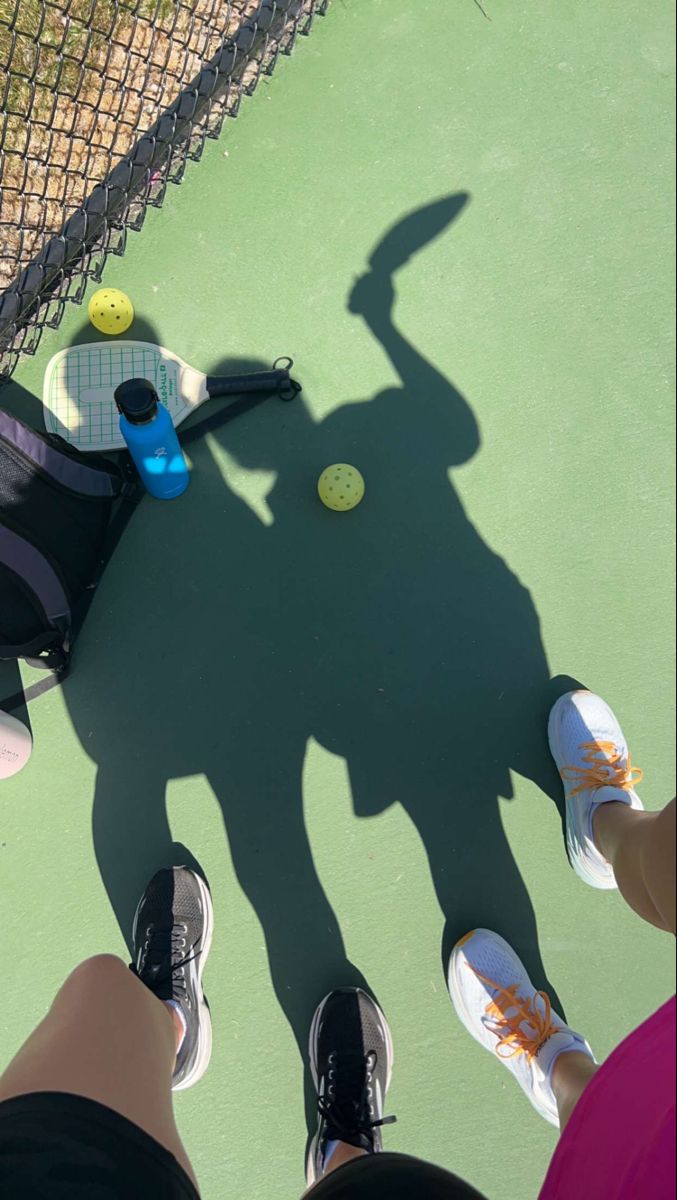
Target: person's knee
101	972
105	984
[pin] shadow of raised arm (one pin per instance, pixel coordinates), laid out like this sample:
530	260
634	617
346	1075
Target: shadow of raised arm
373	298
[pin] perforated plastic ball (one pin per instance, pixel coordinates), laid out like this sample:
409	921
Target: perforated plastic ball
340	487
110	311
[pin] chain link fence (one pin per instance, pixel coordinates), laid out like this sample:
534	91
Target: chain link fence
102	103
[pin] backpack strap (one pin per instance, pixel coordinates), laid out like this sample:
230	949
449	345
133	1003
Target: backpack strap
55	458
131	493
49	651
57	659
21	698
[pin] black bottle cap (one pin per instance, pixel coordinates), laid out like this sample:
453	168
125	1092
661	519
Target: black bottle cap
137	400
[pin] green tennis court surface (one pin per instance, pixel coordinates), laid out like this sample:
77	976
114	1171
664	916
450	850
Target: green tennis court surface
358	698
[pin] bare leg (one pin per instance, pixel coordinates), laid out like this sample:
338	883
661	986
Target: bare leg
570	1076
106	1037
641	849
343	1154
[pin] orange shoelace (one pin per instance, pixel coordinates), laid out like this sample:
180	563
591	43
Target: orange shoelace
609	770
513	1038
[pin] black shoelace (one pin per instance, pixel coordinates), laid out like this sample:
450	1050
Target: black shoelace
348	1102
159	946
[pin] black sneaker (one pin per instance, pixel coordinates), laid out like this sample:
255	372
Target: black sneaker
171	937
351	1061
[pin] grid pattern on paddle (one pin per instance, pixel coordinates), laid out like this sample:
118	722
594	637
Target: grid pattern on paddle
72	408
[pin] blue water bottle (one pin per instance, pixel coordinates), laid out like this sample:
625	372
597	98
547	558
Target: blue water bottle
147	428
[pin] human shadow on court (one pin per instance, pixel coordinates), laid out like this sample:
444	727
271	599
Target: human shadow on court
393	635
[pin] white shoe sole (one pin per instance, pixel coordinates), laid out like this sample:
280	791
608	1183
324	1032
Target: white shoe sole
204	1042
311	1177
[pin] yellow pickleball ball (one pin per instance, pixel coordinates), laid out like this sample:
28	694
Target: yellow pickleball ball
340	487
110	311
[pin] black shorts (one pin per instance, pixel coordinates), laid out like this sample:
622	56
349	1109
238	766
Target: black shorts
392	1177
55	1146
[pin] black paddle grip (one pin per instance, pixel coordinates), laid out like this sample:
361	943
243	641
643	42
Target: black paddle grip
278	380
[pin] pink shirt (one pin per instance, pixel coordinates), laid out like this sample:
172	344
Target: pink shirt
619	1143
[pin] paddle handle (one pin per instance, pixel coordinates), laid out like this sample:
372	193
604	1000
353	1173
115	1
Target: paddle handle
278	380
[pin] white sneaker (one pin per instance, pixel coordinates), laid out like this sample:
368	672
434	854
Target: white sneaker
499	1006
592	757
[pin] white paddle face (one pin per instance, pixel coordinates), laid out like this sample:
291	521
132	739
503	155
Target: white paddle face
79	382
